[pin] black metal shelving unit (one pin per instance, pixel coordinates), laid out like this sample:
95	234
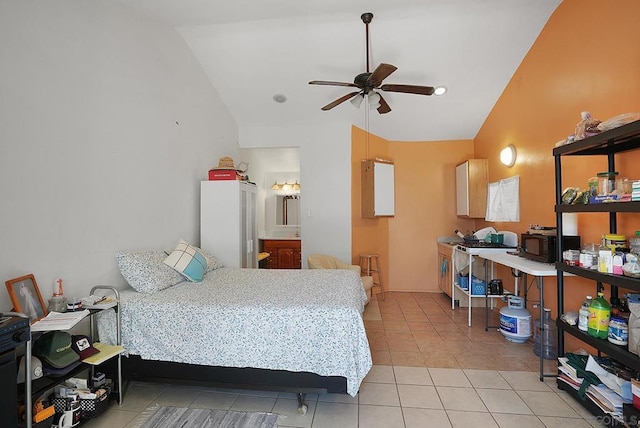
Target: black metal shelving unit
608	143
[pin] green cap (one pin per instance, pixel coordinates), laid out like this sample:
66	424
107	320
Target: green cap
54	348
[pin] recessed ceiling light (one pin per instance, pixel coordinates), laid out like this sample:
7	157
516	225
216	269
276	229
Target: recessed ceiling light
279	98
440	90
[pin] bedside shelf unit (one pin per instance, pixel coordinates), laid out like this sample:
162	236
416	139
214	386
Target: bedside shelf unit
40	386
608	143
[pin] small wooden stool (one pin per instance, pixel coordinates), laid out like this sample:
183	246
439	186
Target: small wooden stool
369	264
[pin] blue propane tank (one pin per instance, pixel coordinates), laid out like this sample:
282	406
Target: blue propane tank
515	320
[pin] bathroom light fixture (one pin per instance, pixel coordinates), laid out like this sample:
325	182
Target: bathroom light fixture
508	155
295	187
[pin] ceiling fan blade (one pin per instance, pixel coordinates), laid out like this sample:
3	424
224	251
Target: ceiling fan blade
326	83
384	107
339	101
409	89
380	73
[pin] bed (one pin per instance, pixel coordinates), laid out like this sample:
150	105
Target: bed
294	330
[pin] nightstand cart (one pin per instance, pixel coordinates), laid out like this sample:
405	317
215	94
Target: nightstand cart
38	387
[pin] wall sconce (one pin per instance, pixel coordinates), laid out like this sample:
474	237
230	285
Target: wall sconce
508	155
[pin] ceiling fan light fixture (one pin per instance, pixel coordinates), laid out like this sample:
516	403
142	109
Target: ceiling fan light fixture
357	100
374	98
440	90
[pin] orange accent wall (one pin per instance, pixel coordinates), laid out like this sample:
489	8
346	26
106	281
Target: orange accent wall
367	235
424	208
585	59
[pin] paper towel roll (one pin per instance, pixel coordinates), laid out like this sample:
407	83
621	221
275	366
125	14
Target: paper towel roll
570	224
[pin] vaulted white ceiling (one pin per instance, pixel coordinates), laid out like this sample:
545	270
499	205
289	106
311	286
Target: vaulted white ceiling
254	49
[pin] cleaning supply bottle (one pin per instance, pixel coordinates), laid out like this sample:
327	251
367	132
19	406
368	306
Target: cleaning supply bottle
599	315
583	317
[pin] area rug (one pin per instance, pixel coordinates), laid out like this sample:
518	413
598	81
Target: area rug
180	417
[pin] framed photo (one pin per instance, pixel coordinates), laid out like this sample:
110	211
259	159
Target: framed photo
26	297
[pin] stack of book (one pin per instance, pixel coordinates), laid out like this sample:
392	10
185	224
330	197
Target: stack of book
635	190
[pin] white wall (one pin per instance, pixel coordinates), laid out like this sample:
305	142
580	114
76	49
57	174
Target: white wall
325	178
107	125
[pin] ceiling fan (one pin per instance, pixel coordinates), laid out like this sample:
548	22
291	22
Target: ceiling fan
368	82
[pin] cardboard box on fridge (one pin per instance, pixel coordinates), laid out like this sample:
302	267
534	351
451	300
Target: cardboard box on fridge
224	174
633	301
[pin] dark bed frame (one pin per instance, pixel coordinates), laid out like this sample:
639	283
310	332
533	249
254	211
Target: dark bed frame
135	368
301	383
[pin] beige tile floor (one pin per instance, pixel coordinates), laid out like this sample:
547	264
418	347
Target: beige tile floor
430	370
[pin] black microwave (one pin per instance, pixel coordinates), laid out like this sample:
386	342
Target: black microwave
542	248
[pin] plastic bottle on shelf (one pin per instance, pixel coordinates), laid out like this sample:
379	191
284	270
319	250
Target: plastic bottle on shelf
545	331
583	314
605	258
599	316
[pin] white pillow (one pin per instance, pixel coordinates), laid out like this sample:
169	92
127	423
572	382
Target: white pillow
145	271
187	260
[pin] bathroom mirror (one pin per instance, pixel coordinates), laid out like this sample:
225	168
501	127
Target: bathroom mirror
287	210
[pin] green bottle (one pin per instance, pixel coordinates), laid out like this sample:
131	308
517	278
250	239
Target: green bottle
599	315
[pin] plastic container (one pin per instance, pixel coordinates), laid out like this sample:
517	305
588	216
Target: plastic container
545	331
606	182
634	243
618	331
589	256
478	286
592	186
623	186
515	320
583	314
615	241
599	317
605	258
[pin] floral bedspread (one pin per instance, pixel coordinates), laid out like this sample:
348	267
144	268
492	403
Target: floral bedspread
295	320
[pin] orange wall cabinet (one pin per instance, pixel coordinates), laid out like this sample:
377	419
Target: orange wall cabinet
283	253
472	178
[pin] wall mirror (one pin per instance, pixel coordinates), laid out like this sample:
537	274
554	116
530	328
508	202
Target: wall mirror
287	210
